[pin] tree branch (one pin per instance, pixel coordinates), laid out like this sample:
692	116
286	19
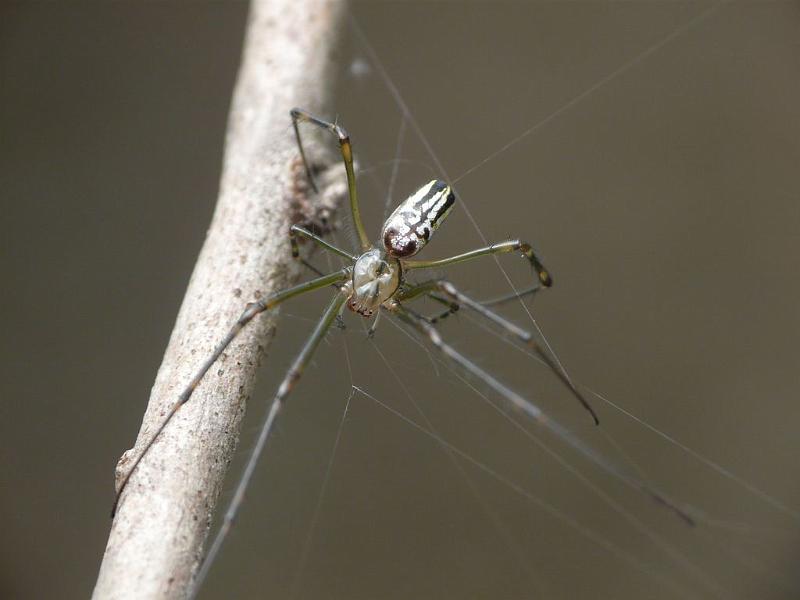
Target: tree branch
156	538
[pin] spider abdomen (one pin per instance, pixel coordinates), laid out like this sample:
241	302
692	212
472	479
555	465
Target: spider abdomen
412	224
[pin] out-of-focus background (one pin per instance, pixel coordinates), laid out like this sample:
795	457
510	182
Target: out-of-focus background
655	167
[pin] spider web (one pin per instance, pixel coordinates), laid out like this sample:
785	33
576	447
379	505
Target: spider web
694	563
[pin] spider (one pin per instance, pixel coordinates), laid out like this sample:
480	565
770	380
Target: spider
375	281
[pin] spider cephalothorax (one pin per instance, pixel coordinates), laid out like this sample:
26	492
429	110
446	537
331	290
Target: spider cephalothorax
376	278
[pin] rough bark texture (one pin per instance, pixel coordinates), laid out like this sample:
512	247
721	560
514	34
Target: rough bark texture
157	536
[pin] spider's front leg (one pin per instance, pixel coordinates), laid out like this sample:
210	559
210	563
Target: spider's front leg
301	116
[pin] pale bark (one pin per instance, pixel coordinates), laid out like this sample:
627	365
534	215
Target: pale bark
162	521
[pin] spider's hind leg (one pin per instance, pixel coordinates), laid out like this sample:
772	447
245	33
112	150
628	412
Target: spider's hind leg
252	310
452	307
532	411
290	379
374	326
439	287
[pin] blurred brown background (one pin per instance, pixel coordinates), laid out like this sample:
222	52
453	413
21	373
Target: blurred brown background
665	202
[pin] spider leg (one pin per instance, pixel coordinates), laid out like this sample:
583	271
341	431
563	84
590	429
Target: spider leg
526	337
532	411
301	116
499	248
374	326
496	301
296	231
410	292
452	307
250	311
319	273
310	267
289	381
339	320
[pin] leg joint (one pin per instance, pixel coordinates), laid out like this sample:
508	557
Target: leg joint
344	137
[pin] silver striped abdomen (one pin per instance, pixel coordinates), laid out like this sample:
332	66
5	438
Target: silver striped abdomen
412	223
